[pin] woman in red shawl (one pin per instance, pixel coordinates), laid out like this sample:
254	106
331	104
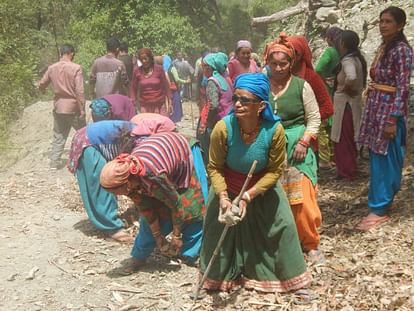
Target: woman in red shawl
303	68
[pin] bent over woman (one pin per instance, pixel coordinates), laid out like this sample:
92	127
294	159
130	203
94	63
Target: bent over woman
160	177
92	146
262	251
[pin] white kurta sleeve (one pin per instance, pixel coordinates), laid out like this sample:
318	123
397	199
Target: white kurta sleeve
312	115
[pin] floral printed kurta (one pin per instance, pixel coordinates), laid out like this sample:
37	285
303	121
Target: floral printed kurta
394	69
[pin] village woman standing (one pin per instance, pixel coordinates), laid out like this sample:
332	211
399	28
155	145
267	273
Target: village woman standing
293	100
219	91
262	251
242	62
303	68
150	88
175	83
383	128
351	80
326	69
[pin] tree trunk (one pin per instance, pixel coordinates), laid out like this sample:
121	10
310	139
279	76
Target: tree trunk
301	7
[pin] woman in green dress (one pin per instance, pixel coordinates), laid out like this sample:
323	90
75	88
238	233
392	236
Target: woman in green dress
262	251
330	58
294	101
326	69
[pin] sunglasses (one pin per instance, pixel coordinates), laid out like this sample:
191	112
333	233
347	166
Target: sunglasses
244	100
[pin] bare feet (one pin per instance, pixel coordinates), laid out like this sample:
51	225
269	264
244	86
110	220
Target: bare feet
122	236
371	221
132	266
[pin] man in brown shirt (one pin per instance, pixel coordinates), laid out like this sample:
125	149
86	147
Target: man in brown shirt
69	100
108	74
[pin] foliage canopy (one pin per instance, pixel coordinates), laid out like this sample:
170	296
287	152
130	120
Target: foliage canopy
31	33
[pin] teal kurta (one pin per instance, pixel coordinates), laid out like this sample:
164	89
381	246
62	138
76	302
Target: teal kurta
262	252
100	205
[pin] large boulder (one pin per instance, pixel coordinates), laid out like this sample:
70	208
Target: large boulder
322	14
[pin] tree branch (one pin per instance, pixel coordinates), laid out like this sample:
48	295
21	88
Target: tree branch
301	7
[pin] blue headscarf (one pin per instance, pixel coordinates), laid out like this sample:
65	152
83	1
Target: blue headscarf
166	62
259	85
218	63
100	108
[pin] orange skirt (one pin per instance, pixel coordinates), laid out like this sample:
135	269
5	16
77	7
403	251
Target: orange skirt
308	217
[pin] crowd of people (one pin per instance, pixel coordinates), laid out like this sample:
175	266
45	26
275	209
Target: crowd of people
277	111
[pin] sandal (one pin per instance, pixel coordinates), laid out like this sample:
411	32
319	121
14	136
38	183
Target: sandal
191	262
371	221
202	293
326	166
305	296
122	236
133	265
316	257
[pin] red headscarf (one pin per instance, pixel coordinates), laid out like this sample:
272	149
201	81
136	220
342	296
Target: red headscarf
116	172
301	46
279	45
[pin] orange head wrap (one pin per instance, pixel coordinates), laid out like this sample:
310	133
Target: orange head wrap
279	45
116	172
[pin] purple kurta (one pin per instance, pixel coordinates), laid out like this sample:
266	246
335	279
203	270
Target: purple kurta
394	70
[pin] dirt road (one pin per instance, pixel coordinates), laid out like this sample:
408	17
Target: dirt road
53	259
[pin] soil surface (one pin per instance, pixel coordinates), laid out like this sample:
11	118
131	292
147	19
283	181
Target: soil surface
53	259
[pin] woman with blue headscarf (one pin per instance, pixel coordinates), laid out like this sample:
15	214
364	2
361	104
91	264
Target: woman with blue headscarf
218	92
175	82
262	250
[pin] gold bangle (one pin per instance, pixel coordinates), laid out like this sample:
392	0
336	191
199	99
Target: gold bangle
156	234
248	198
